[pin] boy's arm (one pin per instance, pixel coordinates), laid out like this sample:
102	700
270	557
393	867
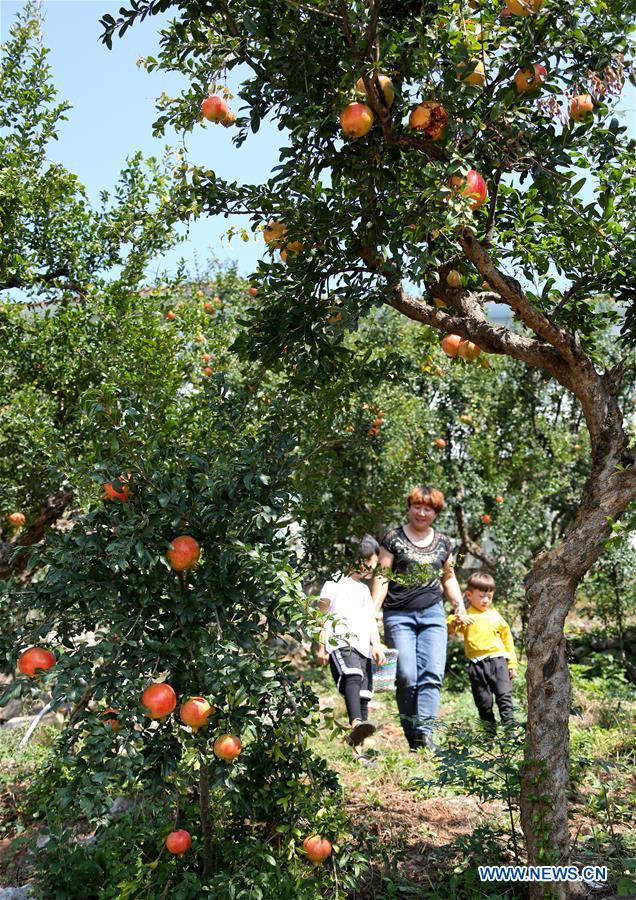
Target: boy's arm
321	652
324	605
377	650
506	636
453	592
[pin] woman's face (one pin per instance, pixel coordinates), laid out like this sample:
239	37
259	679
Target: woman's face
421	516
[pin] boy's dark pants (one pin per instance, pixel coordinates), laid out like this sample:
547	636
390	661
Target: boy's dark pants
354	679
487	677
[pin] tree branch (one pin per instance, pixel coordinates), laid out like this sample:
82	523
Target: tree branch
512	294
44	278
51	510
372	27
472	546
492	338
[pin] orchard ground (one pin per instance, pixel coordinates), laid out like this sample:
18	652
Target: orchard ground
425	823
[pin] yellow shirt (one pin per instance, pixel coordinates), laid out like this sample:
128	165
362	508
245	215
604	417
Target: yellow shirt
488	635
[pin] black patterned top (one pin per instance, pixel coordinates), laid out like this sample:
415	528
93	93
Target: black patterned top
406	554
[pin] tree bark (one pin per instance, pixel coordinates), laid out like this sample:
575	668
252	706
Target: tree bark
544	810
550	593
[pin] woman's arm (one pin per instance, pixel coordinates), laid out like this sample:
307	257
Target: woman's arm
380	583
453	593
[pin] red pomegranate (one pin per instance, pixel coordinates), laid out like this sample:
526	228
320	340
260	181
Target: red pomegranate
227	747
194	712
214	108
178	842
317	848
159	700
35	659
473	186
450	344
183	553
109	717
116	490
17	519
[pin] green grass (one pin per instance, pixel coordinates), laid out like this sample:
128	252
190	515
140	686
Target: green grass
18	765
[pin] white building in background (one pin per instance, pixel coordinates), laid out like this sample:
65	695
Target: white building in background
499	313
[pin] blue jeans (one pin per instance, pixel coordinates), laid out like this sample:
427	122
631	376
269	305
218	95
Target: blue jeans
419	636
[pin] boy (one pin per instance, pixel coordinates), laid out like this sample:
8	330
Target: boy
492	660
351	638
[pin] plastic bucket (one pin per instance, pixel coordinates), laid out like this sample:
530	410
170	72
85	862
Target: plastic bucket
384	676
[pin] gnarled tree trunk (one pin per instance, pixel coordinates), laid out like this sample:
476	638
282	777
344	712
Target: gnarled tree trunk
550	591
544	812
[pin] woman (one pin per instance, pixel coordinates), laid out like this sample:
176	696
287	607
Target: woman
414	618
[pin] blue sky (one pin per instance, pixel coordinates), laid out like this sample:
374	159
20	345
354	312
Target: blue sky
113	111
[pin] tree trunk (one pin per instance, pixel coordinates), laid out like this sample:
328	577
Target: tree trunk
550	593
544	810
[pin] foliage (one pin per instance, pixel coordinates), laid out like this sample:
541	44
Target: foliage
55	364
53	244
119	620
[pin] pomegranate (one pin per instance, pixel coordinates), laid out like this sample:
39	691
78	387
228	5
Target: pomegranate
116	490
317	848
450	344
530	79
227	747
183	553
386	86
35	659
580	106
214	108
429	117
194	712
356	120
473	186
109	717
159	700
17	519
178	842
274	233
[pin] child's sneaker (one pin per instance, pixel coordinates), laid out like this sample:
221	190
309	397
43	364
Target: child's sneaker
366	761
359	732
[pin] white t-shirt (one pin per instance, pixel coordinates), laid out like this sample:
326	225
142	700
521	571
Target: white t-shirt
351	604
